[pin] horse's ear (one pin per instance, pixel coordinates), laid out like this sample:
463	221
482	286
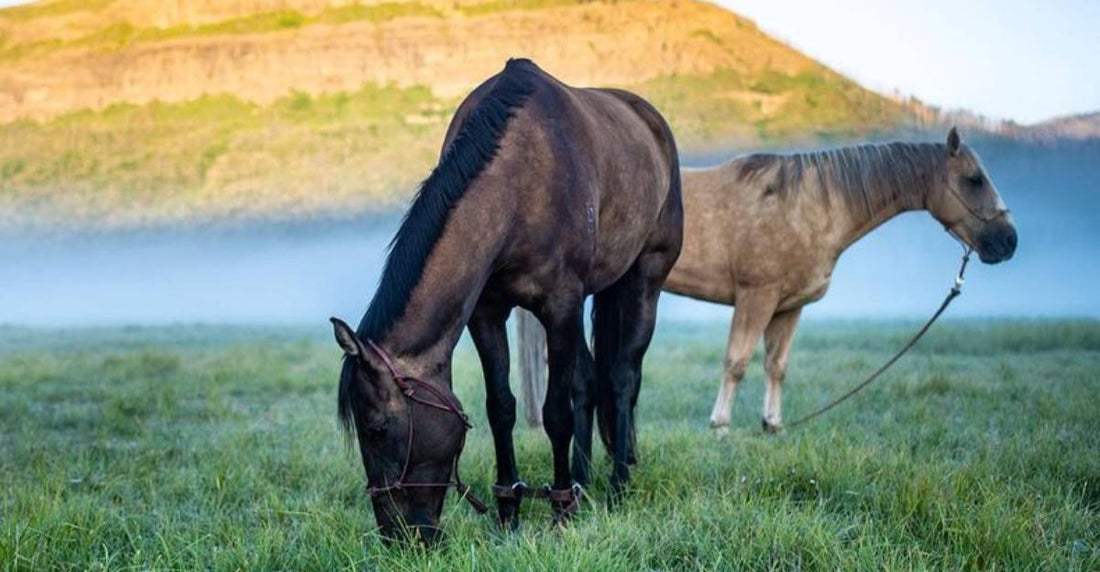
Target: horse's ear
346	338
953	142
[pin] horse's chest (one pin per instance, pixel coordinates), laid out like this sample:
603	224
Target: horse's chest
806	289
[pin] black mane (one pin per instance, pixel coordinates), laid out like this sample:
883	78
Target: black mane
472	149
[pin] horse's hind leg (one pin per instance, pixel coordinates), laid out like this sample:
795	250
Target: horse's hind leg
487	328
625	315
752	314
584	402
564	323
777	345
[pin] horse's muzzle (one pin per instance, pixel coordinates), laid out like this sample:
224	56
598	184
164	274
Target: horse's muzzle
997	242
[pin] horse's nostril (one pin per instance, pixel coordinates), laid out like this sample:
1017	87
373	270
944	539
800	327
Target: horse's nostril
1011	241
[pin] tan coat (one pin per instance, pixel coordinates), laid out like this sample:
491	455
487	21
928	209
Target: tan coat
763	232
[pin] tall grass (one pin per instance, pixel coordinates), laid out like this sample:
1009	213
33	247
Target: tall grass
217	448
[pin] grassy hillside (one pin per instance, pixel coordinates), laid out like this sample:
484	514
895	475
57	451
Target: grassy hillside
124	113
190	448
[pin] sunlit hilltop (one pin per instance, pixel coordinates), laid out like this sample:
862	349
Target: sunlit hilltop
149	112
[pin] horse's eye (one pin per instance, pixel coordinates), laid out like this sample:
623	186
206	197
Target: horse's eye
376	430
975	180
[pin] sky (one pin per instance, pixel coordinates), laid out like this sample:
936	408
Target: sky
1006	59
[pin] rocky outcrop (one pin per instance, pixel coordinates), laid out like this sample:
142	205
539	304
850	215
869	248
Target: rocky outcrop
623	43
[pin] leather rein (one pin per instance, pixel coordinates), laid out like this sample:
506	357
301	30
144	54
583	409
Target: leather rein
410	386
951	295
956	289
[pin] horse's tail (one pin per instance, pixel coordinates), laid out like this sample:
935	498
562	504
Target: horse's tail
606	323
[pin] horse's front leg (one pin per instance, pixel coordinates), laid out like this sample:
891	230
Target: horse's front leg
751	316
487	328
564	331
777	344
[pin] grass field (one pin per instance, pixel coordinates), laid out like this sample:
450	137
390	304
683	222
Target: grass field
196	447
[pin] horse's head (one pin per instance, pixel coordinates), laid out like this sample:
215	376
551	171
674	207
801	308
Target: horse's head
408	448
966	202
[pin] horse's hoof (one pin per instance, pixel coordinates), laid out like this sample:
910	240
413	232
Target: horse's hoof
721	431
509	524
508	514
565	503
615	495
562	514
770	427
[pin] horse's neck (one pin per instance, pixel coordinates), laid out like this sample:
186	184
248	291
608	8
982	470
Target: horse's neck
855	225
852	223
440	305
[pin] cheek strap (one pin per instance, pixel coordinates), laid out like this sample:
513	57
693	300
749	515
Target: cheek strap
409	387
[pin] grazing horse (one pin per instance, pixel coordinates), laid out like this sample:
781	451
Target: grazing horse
763	232
543	195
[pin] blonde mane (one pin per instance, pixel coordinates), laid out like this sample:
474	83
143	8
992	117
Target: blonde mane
865	177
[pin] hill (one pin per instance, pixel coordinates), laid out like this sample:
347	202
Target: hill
134	112
1082	126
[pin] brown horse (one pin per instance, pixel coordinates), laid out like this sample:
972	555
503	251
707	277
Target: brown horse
543	195
763	232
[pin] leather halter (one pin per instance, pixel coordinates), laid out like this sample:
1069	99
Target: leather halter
409	387
973	211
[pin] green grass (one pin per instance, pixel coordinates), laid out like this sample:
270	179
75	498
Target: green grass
199	447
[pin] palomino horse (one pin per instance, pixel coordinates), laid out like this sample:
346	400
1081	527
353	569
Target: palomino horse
763	232
543	195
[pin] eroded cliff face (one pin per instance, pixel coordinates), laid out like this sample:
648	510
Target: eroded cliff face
152	112
624	43
69	20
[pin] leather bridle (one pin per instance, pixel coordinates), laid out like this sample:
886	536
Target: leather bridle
409	387
1001	212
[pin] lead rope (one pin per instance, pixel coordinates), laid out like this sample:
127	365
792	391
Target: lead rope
951	295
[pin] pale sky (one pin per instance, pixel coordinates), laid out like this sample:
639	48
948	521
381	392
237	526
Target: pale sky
1006	59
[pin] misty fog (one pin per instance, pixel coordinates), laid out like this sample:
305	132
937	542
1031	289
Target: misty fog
304	273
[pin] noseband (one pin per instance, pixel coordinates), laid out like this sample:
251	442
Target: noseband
409	387
1001	213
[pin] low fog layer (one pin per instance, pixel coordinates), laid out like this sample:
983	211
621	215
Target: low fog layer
307	273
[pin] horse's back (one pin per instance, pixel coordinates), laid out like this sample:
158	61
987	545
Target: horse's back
590	173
